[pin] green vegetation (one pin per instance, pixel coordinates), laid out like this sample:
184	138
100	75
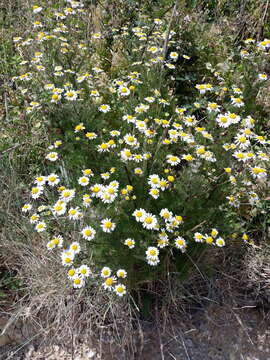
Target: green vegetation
133	141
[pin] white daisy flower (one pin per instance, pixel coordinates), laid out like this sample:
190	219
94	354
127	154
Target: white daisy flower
107	225
88	233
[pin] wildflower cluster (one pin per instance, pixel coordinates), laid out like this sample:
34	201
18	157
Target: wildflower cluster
160	176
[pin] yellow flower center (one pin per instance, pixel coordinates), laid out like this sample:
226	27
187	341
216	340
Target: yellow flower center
71	272
148	220
88	232
109	281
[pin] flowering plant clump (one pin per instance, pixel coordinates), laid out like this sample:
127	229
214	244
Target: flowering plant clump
155	178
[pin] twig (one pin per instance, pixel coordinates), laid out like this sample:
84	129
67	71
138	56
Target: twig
168	31
6	106
10	149
72	328
159	335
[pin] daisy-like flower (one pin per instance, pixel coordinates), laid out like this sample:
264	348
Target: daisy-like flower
88	233
220	242
154	193
87	200
57	241
180	243
88	172
105	272
67	257
137	158
201	88
104	108
163	184
138	171
242	141
74	213
153	49
198	237
78	281
121	273
234	118
188	157
40	226
36	9
154	181
262	156
166	214
67	195
56	98
75	247
190	120
260	139
139	214
83	181
150	222
109	283
120	289
233	201
79	127
52	156
84	271
115	133
240	156
50	245
141	108
262	77
214	232
162	242
174	55
104	147
71	273
49	87
213	107
123	91
36	191
34	218
96	190
91	135
107	225
130	243
223	120
97	36
57	143
173	160
40	180
59	208
141	126
170	66
71	95
53	179
94	93
208	239
150	99
129	118
258	172
26	207
130	140
238	102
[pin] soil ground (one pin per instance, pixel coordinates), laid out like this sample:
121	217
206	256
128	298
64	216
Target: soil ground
217	332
